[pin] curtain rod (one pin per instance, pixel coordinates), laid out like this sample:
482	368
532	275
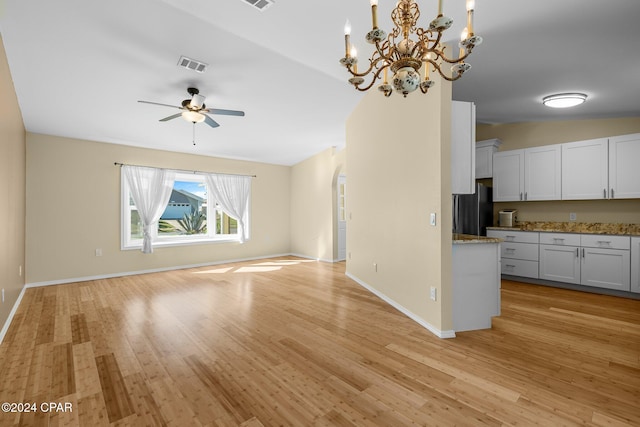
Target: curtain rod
183	170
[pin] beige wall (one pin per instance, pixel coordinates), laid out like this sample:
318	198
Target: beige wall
398	156
12	191
313	207
73	208
524	135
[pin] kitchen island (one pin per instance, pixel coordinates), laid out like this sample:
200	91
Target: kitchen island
476	281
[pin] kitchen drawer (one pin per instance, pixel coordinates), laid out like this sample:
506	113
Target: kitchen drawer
515	236
605	241
560	239
525	251
519	267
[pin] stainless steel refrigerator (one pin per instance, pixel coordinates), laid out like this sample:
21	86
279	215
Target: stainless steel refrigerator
473	213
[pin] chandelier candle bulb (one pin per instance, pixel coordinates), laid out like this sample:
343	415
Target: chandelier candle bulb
385	75
347	36
471	4
354	55
374	13
463	37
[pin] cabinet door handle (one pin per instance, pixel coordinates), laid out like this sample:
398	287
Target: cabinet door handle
510	266
604	242
510	249
582	252
520	196
559	239
604	193
577	252
612	194
526	195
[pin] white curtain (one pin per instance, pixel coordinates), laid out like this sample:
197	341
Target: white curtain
150	189
232	192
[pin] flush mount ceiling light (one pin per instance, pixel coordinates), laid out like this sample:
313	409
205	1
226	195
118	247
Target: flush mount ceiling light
564	100
408	48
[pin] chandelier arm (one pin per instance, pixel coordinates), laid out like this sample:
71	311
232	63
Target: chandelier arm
444	76
376	76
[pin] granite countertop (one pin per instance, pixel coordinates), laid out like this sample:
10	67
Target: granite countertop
575	227
468	238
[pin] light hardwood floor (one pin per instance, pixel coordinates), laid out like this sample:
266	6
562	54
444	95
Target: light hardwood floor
294	342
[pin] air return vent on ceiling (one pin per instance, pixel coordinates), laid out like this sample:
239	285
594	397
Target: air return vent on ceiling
192	64
260	4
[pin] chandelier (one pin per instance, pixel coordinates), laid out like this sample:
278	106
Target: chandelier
407	48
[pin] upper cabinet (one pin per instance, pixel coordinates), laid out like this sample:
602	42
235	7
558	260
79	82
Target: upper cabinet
585	170
463	150
604	168
484	157
624	167
542	168
508	176
529	174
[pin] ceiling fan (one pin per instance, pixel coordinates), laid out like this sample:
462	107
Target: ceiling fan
195	111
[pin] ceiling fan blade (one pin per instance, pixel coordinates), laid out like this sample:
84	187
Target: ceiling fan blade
224	112
157	103
166	119
208	120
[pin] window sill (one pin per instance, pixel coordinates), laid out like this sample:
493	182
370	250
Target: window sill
186	242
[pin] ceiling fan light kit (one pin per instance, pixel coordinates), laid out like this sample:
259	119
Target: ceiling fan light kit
564	100
193	116
407	48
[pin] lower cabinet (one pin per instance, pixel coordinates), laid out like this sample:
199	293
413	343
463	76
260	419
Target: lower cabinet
590	260
635	264
606	268
560	263
602	261
518	252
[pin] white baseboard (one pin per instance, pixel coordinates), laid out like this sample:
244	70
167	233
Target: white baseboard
314	258
419	320
12	313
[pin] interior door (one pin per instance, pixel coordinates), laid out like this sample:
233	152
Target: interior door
342	217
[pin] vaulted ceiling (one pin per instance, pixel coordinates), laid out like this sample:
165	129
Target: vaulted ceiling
79	67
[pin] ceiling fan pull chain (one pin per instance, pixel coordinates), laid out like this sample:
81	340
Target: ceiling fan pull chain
194	133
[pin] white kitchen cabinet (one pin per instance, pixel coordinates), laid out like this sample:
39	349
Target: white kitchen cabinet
508	176
560	257
585	170
518	252
606	261
528	174
484	157
463	150
542	166
624	167
635	264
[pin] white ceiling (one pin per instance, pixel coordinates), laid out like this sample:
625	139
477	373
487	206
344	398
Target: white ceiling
79	67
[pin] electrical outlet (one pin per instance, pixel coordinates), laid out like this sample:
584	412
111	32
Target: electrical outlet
20	270
432	219
434	293
99	252
375	267
572	216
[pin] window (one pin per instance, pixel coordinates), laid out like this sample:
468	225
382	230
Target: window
191	216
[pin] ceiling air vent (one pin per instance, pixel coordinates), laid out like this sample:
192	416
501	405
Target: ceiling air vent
192	64
260	4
